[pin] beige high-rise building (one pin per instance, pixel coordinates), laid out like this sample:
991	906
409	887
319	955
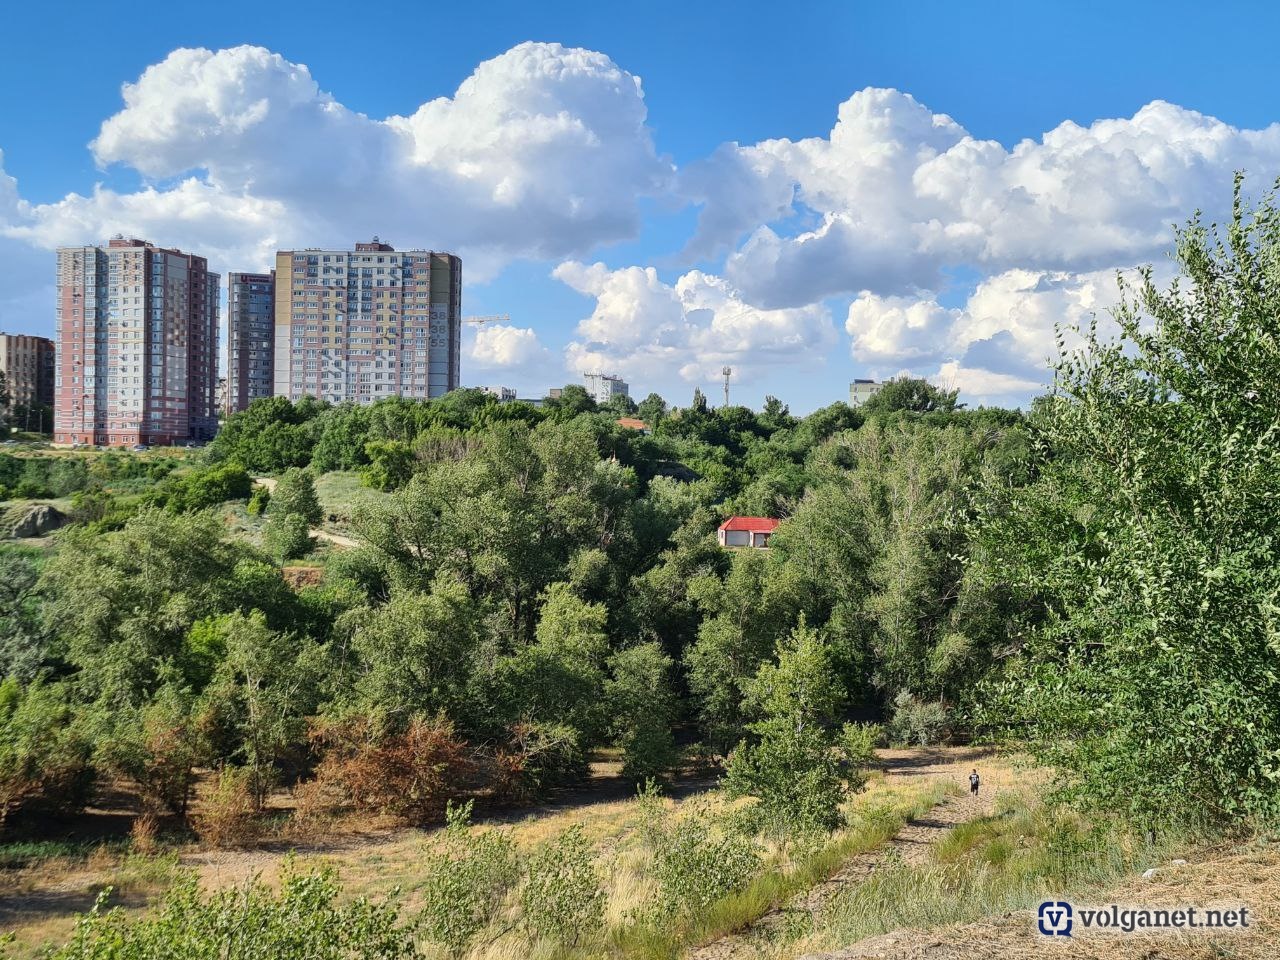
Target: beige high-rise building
367	323
27	364
137	345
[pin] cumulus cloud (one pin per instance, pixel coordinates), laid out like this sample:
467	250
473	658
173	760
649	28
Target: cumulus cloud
645	328
543	152
998	345
502	346
896	192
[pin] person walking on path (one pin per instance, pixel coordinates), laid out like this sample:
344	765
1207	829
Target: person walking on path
974	782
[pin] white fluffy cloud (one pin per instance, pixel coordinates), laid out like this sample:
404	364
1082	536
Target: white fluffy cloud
644	328
542	152
502	347
998	345
897	192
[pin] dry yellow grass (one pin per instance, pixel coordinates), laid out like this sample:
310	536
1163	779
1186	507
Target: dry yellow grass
380	860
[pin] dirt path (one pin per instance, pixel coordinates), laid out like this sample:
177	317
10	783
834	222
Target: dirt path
909	845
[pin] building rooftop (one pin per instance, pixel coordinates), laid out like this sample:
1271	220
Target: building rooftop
631	423
753	524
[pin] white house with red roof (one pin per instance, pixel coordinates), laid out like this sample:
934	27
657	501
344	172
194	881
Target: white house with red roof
747	532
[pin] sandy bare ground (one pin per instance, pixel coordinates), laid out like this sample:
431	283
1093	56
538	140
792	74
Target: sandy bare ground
910	845
1249	877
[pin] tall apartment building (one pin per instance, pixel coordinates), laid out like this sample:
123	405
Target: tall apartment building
137	345
603	386
860	391
367	323
27	364
251	332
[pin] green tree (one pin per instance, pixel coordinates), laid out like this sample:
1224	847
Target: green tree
287	536
642	708
1143	556
295	492
910	394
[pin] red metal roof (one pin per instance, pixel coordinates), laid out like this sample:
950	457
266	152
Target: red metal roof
754	524
631	423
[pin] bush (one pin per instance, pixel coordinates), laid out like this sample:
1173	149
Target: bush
201	489
287	536
411	774
259	500
919	722
44	762
795	774
537	757
305	920
227	814
693	864
296	493
467	883
562	898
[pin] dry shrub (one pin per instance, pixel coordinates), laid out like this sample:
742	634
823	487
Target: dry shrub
144	834
411	773
227	816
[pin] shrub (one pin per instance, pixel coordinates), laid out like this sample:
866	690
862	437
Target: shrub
227	813
411	774
919	722
562	898
287	536
259	500
537	757
694	864
44	762
296	493
795	774
643	707
305	920
467	883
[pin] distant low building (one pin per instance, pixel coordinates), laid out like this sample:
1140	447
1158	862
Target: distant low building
747	532
504	394
860	391
632	423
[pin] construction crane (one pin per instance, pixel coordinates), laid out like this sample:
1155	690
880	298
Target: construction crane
491	318
727	372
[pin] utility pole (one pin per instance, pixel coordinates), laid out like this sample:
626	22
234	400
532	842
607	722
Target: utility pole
727	372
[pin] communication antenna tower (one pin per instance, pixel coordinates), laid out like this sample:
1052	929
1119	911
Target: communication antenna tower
727	372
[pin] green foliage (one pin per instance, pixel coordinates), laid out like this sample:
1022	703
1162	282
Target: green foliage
259	500
201	489
25	642
694	862
562	898
295	492
642	707
466	883
390	464
304	920
911	395
1143	555
793	765
917	722
287	536
43	757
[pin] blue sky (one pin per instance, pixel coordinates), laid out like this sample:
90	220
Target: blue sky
657	189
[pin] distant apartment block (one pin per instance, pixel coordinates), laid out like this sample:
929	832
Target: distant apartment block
367	323
504	394
860	391
603	386
251	332
27	364
137	345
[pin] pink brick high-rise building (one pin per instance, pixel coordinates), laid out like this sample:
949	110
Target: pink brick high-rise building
137	345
